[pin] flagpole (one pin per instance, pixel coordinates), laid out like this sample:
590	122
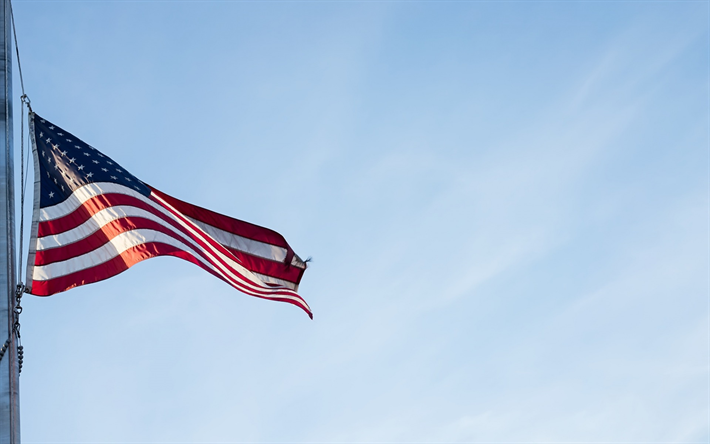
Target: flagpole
9	371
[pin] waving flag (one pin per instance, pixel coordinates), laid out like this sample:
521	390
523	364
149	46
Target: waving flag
92	220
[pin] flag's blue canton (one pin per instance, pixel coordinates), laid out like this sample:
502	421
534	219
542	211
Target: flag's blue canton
66	163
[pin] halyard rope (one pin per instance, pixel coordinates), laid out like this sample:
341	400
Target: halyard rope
24	173
17	48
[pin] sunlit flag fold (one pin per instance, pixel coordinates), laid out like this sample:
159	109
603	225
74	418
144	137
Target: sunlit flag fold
92	220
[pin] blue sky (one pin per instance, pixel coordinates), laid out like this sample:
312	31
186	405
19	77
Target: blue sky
506	203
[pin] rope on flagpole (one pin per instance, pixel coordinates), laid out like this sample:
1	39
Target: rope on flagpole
20	288
17	49
24	173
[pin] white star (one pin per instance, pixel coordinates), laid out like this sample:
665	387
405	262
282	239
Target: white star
95	161
55	181
64	153
81	167
72	160
56	167
41	135
89	175
137	188
42	153
60	134
55	146
51	127
42	120
51	194
119	170
48	140
109	162
49	159
128	179
77	147
68	140
87	154
62	187
48	175
104	170
114	177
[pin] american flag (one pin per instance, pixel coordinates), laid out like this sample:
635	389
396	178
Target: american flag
92	220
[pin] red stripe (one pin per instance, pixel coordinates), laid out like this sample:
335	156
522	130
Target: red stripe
98	203
226	223
104	201
100	238
240	282
101	202
116	227
86	211
122	263
108	232
108	269
274	269
208	242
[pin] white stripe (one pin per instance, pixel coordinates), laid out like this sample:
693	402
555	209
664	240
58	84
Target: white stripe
242	272
86	192
93	224
115	247
107	215
298	262
81	195
246	276
251	246
106	252
239	273
277	281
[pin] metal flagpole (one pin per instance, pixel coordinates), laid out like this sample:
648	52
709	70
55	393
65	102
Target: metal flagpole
9	371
